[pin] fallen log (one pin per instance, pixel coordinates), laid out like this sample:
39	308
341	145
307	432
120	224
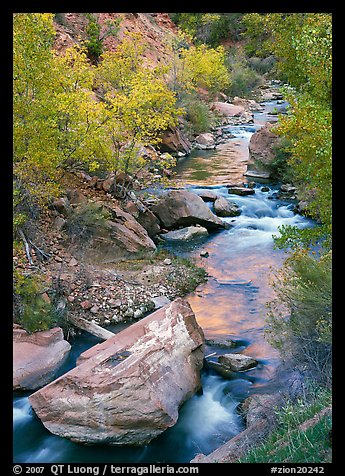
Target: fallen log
90	327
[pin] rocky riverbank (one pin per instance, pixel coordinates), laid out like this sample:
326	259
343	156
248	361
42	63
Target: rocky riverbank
119	275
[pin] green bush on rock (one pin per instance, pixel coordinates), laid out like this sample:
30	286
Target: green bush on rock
32	311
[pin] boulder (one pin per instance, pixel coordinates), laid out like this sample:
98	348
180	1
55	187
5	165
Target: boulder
208	195
174	140
61	205
144	216
122	178
232	114
262	151
221	342
258	407
226	109
128	389
37	357
225	208
160	301
59	223
248	104
288	188
237	362
205	140
185	234
181	207
123	236
75	197
108	184
128	234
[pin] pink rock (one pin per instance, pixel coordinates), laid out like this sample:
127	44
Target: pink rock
128	389
262	146
86	304
37	357
227	110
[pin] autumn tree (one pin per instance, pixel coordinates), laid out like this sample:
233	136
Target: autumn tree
139	105
203	67
33	129
56	116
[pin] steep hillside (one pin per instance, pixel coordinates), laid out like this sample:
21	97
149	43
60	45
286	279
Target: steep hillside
157	30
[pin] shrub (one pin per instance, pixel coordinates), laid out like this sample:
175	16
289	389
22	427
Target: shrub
300	317
187	276
85	220
279	167
288	442
32	312
262	65
209	28
198	115
243	78
243	81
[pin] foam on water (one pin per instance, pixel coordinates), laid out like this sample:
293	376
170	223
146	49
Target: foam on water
22	412
209	419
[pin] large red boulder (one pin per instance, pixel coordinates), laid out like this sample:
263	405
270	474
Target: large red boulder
128	389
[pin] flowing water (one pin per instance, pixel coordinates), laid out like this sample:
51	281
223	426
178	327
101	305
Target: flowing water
231	303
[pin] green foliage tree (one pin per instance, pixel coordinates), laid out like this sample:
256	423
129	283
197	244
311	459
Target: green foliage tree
209	28
94	43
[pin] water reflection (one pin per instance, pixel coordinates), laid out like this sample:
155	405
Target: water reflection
225	164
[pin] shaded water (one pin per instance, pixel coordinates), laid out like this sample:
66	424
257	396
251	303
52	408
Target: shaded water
231	303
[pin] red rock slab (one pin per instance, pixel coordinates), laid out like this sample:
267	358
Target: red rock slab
37	357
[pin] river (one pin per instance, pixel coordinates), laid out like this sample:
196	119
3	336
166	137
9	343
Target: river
231	303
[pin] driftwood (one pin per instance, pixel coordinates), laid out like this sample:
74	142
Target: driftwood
40	251
90	327
26	245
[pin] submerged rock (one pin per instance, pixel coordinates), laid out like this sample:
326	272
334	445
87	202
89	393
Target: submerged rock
37	357
185	234
221	342
238	190
237	362
127	390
